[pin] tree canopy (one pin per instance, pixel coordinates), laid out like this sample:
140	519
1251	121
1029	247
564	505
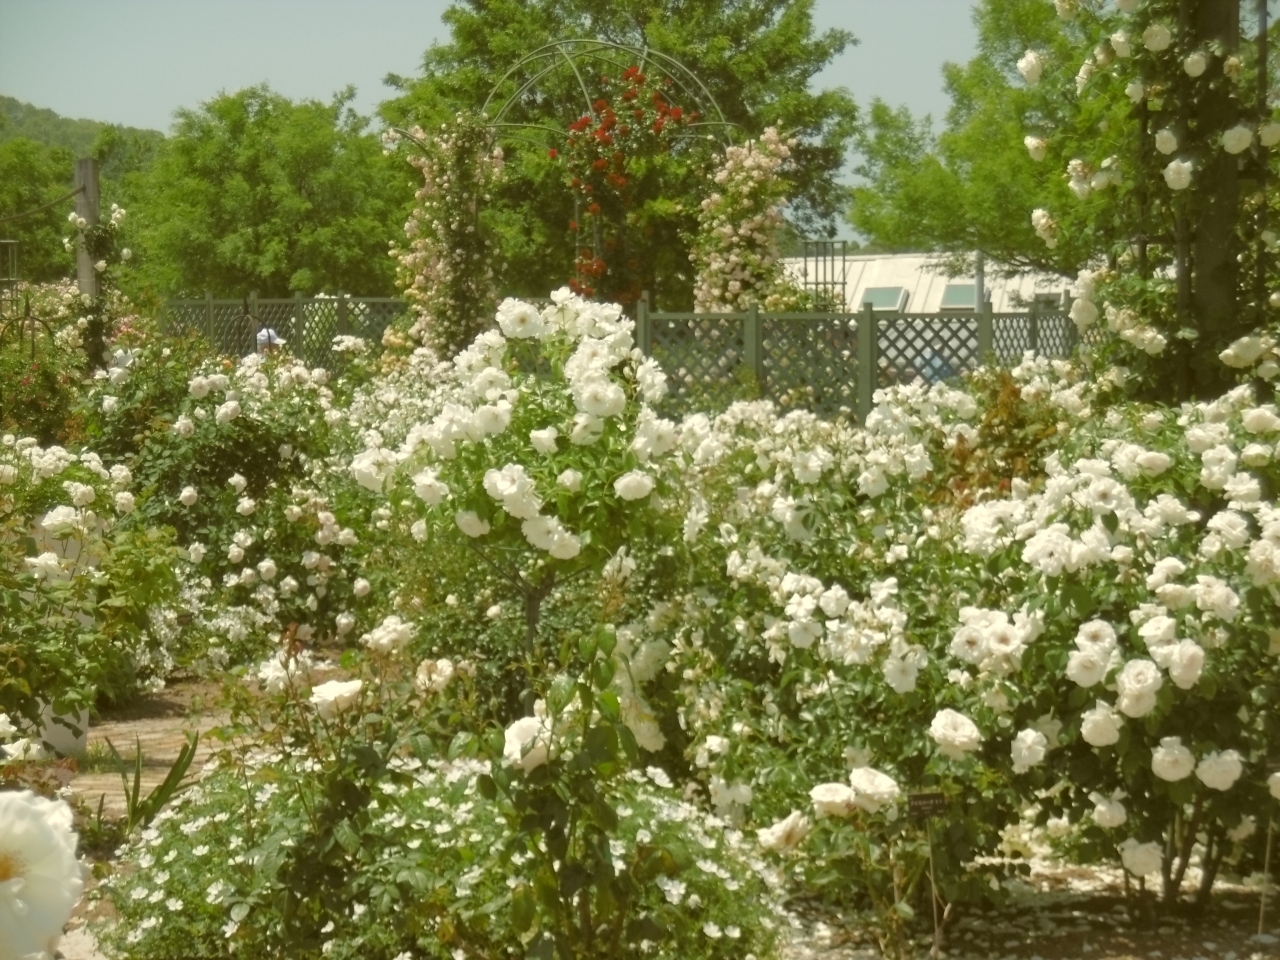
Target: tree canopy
756	58
31	175
971	186
255	192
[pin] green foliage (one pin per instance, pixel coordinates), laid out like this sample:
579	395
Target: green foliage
140	810
756	59
31	175
254	192
973	186
77	137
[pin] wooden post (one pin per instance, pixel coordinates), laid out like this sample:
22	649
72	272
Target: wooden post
87	201
254	323
986	333
1033	323
753	345
868	367
644	325
344	320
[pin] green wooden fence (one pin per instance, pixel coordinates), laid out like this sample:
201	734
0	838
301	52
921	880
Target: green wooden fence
308	324
834	362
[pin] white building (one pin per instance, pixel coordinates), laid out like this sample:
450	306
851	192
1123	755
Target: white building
916	283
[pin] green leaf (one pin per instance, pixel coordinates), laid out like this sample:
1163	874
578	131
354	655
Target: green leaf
524	908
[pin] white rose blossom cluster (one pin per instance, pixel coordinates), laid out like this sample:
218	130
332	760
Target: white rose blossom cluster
735	253
597	413
1150	58
445	267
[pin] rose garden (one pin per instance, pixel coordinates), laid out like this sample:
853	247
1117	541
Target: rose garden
514	649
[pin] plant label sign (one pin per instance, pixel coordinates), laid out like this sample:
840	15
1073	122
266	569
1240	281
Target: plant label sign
921	806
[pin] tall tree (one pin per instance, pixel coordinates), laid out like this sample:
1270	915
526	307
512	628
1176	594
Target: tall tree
1128	140
255	192
757	59
31	176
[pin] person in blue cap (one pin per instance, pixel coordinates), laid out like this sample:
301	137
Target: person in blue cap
269	341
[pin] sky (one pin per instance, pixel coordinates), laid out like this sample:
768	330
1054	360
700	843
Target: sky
136	61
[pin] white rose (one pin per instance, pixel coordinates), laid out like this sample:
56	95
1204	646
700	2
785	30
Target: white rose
227	411
1171	760
335	697
8	473
237	482
1196	64
1141	859
1237	139
1138	682
434	676
1037	147
633	485
525	743
361	587
124	502
571	480
429	488
1157	38
1220	770
195	552
389	636
832	800
1087	667
954	733
1108	812
1269	134
109	404
1178	174
43	880
520	320
1166	141
1120	44
544	441
872	789
786	834
1186	661
267	569
471	524
1100	727
188	496
1028	749
1031	66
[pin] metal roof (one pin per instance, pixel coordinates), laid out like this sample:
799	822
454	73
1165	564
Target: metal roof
921	276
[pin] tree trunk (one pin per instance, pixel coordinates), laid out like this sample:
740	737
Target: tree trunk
1215	24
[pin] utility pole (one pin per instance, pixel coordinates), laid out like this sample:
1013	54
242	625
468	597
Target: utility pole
87	198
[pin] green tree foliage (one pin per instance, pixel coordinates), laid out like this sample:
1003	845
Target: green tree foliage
31	175
255	192
756	57
972	186
1137	141
18	119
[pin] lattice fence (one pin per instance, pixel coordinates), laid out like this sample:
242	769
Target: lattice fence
307	324
833	363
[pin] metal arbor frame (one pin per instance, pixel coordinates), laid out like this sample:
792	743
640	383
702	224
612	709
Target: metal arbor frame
569	53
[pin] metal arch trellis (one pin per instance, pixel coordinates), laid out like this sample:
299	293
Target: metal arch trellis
564	53
21	323
571	54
